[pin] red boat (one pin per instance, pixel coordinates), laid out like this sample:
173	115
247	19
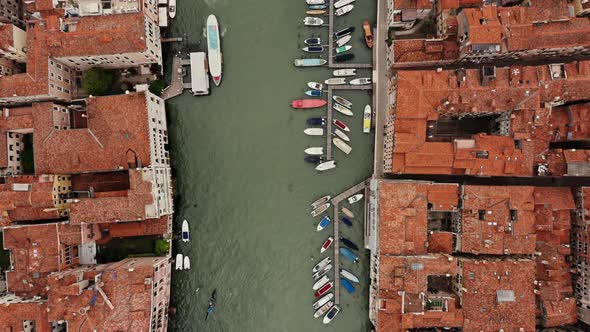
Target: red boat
308	103
327	244
325	288
341	125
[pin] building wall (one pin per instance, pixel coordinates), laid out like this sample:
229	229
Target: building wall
16	51
7	67
160	294
158	130
389	126
580	251
11	12
62	80
161	180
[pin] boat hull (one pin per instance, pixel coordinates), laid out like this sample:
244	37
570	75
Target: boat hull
327	244
314	151
368	34
320	201
320	209
321	311
355	198
347	212
341	125
341	145
342	101
343	49
313	41
317	304
185	232
341	42
331	314
309	62
349	255
341	135
322	272
325	289
367	119
349	243
314	131
335	81
348	275
344	72
323	223
343	10
326	166
360	81
308	103
320	283
346	221
321	264
214	49
347	285
342	109
187	263
342	3
178	262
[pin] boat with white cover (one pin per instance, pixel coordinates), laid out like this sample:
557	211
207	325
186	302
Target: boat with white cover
320	209
348	275
326	166
343	10
322	281
360	81
317	304
313	21
342	109
320	201
335	81
355	198
323	309
178	262
321	264
341	135
214	49
367	119
342	3
341	145
314	151
172	8
314	131
342	101
185	232
315	85
341	42
344	72
347	212
187	263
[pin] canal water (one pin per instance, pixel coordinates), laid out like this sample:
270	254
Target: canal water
241	181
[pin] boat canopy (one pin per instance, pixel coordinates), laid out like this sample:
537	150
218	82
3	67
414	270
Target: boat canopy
199	75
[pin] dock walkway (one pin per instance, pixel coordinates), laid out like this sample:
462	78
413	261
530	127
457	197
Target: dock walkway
335	202
176	85
331	63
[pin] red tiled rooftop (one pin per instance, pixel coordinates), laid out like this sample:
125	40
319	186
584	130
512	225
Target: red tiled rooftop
13	315
412	4
484	27
26	205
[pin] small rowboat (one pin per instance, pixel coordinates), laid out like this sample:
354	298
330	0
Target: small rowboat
340	125
331	314
320	201
314	93
368	34
347	285
344	32
313	49
321	311
341	135
348	213
308	103
335	81
367	119
326	166
342	101
323	223
178	262
342	41
349	276
342	3
316	41
343	10
322	281
344	72
355	198
322	272
315	12
347	221
360	81
315	85
313	21
314	131
321	264
327	244
343	57
342	109
187	263
318	6
323	301
309	62
341	145
314	151
185	232
320	209
343	49
349	255
325	289
349	243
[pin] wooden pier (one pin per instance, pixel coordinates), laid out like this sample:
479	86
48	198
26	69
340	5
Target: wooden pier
331	63
335	202
176	85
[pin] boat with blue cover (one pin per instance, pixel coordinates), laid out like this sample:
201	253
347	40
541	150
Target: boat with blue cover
313	49
314	93
316	121
324	223
314	159
347	285
347	221
321	6
348	254
311	62
314	41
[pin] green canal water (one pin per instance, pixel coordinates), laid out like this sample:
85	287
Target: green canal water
241	180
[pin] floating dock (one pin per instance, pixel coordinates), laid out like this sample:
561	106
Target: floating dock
331	63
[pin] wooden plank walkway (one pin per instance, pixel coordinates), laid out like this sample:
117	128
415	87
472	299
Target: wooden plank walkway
331	63
336	201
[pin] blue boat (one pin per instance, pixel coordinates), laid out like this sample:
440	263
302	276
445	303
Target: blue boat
347	221
312	7
314	93
310	62
323	223
349	255
316	121
347	285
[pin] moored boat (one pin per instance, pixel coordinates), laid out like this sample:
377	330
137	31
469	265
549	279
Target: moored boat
325	289
314	131
320	201
341	125
360	81
325	299
322	272
355	198
178	262
368	34
341	145
313	159
314	93
347	212
342	101
344	72
343	49
315	41
187	263
347	285
313	21
321	281
316	121
342	109
308	103
320	209
315	12
343	57
321	264
315	85
315	2
348	254
327	244
341	135
342	3
346	221
214	49
343	10
309	62
324	308
185	232
367	119
344	32
323	223
172	8
335	81
326	166
348	275
318	6
313	49
331	314
349	243
314	151
342	41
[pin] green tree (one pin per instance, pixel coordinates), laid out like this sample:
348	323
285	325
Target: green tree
162	247
156	87
98	82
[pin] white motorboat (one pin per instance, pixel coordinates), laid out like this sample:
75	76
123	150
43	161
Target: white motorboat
344	72
187	263
342	101
342	135
367	119
343	49
327	244
172	8
323	309
342	3
313	21
331	314
315	85
341	145
214	49
314	151
315	2
320	209
343	10
360	81
326	166
335	81
178	262
185	232
321	264
341	125
317	304
347	212
342	109
341	42
348	275
355	198
320	201
321	272
322	281
314	131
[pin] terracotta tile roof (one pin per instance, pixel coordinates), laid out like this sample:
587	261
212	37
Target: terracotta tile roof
26	205
419	50
484	27
13	315
157	226
413	4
